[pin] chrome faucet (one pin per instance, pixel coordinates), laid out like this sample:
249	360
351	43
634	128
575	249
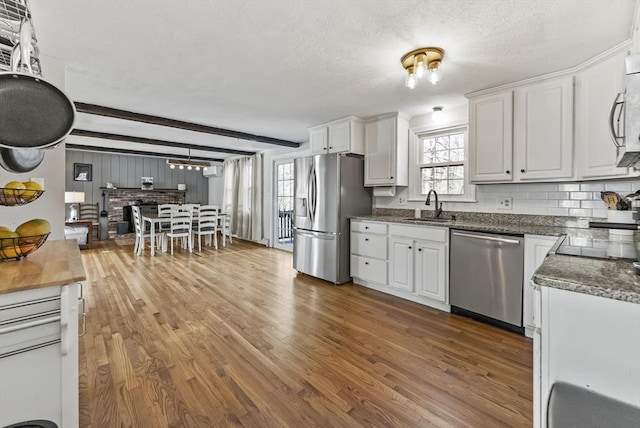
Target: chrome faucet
438	208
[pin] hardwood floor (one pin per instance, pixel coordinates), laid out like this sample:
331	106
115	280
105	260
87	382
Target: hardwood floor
234	337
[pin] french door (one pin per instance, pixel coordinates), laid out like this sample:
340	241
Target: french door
283	216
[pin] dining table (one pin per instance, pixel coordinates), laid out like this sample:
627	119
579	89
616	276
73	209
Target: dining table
157	220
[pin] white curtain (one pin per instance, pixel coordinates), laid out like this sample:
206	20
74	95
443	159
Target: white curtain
242	196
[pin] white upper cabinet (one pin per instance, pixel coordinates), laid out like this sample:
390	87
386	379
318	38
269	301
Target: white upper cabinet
596	88
340	136
543	130
386	161
491	137
524	134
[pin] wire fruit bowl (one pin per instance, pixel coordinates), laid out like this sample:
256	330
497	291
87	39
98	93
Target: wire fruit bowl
12	197
21	246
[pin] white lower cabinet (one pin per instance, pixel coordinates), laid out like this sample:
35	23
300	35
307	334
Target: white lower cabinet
536	248
415	266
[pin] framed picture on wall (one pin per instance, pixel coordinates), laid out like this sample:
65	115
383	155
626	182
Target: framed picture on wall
82	171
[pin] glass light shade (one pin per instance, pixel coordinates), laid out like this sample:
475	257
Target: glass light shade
189	167
197	168
172	166
421	69
411	81
181	166
434	76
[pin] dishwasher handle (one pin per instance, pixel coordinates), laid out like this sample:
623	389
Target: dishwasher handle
488	238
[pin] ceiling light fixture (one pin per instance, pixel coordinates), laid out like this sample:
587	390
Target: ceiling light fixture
436	116
423	62
189	164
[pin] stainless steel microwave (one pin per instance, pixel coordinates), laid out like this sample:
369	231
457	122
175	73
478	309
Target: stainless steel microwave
624	118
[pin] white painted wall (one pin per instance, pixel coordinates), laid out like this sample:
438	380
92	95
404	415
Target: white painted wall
216	189
50	206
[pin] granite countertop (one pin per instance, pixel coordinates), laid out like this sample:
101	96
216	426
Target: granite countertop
485	226
57	262
613	279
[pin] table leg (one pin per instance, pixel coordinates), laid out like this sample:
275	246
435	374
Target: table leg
153	238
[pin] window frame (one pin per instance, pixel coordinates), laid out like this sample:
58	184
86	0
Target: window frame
415	136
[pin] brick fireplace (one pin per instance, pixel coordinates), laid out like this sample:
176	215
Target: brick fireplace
118	198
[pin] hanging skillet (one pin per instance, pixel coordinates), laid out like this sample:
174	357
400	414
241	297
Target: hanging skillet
34	114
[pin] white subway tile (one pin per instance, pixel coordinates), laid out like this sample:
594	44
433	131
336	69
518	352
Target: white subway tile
558	211
569	204
581	195
537	203
593	204
580	212
592	187
558	195
619	186
547	187
568	187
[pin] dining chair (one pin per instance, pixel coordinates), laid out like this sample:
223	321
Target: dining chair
164	210
226	226
91	212
180	226
138	246
207	225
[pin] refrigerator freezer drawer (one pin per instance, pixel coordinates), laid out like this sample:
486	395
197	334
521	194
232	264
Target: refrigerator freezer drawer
316	254
369	245
369	269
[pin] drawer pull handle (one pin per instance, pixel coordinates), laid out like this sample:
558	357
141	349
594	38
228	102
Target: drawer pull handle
366	263
522	170
409	247
366	227
508	172
419	249
366	239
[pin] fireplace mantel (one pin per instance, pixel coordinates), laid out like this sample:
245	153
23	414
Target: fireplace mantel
137	190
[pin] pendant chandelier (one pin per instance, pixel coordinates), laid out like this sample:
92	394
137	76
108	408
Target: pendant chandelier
188	164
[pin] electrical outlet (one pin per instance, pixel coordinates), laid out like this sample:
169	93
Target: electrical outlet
504	203
402	200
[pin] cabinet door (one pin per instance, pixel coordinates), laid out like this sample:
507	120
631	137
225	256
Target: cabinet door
597	87
536	249
401	261
491	138
543	130
340	137
318	140
379	152
430	269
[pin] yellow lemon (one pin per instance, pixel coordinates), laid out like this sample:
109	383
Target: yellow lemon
5	228
14	188
31	187
6	238
34	227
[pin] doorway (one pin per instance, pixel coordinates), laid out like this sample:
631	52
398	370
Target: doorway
283	217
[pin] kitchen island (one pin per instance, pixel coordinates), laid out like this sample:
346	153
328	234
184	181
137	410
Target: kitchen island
40	300
587	330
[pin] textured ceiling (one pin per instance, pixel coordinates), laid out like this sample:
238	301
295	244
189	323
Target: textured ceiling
277	67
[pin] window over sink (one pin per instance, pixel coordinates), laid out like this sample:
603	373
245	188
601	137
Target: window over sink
439	162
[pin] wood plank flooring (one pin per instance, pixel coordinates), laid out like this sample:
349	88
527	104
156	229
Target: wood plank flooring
234	337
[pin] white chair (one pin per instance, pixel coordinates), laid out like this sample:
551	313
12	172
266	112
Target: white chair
226	226
138	246
180	224
207	225
138	224
164	210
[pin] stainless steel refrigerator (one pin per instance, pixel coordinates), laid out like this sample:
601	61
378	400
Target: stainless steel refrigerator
328	190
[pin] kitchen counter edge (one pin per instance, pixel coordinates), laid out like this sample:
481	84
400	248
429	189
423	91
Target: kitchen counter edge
57	262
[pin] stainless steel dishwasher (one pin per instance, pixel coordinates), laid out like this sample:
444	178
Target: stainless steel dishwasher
485	280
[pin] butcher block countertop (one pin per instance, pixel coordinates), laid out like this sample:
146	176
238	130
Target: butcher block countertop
57	262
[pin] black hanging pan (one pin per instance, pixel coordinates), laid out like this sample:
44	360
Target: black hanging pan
34	114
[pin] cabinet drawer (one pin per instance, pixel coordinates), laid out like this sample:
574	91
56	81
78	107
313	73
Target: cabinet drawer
369	227
365	244
369	269
438	234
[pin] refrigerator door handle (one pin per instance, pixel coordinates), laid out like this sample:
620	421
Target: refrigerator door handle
309	200
314	193
321	235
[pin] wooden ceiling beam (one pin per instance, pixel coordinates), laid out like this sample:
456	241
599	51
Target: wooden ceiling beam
173	123
138	153
142	140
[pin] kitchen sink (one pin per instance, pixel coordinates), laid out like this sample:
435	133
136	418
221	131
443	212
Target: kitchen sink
428	219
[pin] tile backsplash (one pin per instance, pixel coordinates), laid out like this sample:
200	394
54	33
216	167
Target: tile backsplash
556	199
